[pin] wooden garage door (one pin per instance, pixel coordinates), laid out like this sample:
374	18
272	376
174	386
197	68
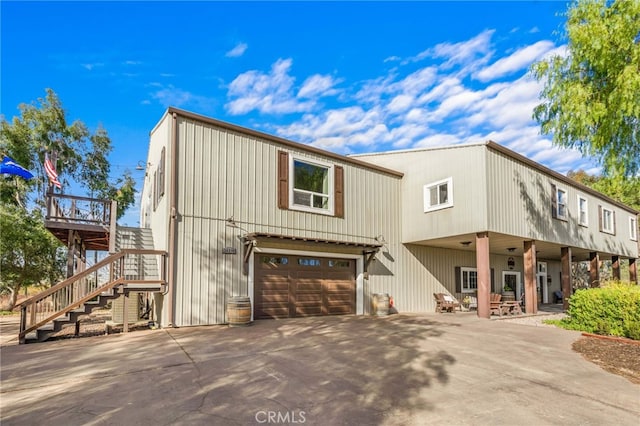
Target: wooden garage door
297	286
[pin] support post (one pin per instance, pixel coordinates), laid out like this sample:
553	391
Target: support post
125	316
633	271
594	269
484	274
615	266
566	276
113	218
530	292
71	247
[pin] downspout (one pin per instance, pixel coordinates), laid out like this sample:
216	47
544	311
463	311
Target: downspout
171	275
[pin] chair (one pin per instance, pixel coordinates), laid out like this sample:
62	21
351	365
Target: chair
446	303
494	304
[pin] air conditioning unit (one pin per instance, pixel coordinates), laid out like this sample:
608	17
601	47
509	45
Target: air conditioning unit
135	305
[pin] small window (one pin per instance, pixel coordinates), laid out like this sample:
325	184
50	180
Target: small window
469	279
308	262
275	260
633	228
311	186
438	195
607	220
339	263
583	207
561	204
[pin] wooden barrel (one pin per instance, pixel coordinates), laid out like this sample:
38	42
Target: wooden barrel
508	296
381	304
239	311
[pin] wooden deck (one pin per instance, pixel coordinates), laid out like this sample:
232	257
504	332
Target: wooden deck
91	220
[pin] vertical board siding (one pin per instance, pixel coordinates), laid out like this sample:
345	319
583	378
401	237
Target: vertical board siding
224	174
520	200
465	165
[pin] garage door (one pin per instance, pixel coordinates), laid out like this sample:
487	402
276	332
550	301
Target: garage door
297	286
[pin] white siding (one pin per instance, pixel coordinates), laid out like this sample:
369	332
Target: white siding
464	164
224	174
520	204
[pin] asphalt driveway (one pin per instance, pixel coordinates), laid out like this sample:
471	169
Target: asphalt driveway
398	370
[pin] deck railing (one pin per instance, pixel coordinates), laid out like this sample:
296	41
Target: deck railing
129	266
82	210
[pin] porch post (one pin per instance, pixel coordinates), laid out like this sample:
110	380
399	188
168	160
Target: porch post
565	253
615	265
633	271
530	293
484	274
71	248
594	269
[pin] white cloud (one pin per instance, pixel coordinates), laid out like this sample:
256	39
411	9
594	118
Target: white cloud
270	93
237	51
519	60
91	66
318	85
172	96
451	100
400	103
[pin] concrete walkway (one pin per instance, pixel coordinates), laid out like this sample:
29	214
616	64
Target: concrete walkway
427	369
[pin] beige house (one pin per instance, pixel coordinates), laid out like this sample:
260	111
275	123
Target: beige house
302	231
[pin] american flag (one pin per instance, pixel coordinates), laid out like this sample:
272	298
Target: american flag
51	172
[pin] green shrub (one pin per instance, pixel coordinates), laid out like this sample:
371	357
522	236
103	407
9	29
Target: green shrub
610	310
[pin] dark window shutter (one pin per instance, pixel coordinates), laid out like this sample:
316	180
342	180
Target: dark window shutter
338	191
493	282
554	201
458	280
600	217
283	180
161	171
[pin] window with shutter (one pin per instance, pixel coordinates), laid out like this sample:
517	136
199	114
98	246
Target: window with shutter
310	185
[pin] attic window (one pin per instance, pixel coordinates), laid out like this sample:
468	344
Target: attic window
438	195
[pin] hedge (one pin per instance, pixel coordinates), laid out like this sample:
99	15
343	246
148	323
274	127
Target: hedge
613	309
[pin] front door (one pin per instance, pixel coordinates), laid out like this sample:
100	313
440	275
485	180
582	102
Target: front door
541	278
512	280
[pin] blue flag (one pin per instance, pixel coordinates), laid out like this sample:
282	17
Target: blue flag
10	167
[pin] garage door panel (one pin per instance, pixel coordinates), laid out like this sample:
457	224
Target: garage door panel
308	311
272	312
340	310
303	286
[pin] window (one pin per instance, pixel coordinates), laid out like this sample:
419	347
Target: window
438	195
308	262
311	186
469	279
583	206
607	220
561	204
633	228
339	263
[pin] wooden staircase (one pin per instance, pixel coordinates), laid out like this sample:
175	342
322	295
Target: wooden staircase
47	312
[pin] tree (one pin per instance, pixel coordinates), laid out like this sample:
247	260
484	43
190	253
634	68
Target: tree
627	191
82	157
29	254
591	95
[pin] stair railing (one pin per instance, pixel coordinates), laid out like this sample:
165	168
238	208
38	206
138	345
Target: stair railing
120	268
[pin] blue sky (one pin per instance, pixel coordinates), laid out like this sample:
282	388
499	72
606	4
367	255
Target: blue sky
347	77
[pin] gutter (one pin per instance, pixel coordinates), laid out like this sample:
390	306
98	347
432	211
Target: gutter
173	216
